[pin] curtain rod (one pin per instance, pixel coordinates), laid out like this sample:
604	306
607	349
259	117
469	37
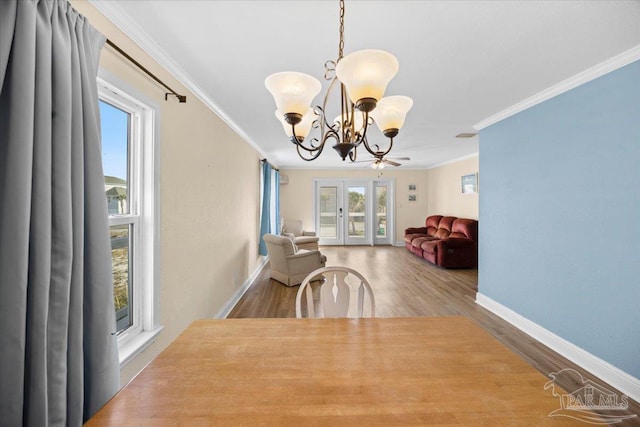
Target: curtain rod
181	98
272	167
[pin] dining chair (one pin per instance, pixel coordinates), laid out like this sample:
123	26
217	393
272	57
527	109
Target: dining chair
342	294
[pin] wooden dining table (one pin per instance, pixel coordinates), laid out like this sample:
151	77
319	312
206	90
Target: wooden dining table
351	372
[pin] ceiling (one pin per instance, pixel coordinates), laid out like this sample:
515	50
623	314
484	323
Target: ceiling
460	61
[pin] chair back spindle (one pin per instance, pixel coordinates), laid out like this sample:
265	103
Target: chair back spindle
339	285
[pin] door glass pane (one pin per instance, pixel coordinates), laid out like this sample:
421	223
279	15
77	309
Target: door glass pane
121	262
381	211
115	157
329	212
357	207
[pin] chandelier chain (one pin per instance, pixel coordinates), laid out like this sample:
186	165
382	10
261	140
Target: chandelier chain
341	45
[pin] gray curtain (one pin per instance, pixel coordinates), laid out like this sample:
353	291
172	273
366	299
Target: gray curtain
58	353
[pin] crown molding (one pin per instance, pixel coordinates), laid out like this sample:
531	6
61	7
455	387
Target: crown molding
456	160
612	64
348	169
121	20
404	168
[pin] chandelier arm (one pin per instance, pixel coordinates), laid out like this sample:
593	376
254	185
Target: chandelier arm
314	154
331	133
346	121
326	95
380	154
368	121
321	111
324	102
329	69
353	154
310	158
300	145
311	149
361	134
363	138
331	130
322	121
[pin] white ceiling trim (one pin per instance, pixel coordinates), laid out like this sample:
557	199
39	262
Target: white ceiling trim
456	160
116	15
612	64
359	168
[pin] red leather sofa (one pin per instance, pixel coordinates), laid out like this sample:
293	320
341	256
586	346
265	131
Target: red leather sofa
445	241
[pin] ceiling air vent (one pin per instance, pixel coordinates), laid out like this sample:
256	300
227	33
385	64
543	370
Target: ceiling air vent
466	135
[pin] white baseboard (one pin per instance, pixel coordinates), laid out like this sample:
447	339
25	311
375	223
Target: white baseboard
224	311
608	373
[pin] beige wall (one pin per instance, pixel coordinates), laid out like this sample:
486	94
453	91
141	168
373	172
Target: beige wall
296	197
209	199
445	193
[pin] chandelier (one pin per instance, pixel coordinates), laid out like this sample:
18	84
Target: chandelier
363	77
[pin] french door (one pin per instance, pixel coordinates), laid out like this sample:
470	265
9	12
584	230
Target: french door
354	212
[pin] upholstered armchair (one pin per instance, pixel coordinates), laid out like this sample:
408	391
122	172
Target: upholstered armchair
303	239
290	265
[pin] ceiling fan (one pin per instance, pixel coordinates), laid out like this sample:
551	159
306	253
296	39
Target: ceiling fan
379	161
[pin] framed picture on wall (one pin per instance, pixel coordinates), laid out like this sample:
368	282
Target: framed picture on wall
412	197
412	187
470	183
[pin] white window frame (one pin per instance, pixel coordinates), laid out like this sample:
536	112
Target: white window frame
143	212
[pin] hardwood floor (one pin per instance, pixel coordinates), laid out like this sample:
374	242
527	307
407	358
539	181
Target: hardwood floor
405	285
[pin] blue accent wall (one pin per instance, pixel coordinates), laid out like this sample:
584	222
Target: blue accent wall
560	216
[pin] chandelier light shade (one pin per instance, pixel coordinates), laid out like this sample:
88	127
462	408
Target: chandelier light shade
293	91
366	74
390	113
302	129
363	77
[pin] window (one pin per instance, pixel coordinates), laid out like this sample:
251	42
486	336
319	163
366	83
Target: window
381	209
128	157
117	138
